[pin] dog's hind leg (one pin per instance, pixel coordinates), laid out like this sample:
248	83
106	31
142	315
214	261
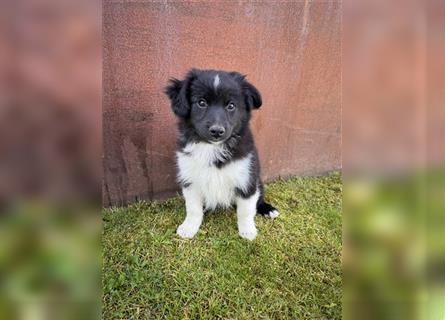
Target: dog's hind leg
265	208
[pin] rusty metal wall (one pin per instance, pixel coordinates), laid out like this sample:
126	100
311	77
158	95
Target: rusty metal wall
290	51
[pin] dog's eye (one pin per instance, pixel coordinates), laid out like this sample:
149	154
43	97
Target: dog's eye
202	103
230	106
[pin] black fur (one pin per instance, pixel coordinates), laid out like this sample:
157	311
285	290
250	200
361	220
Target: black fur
194	121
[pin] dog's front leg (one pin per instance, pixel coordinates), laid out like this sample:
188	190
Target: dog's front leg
194	213
246	211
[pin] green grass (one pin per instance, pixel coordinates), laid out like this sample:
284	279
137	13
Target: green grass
291	271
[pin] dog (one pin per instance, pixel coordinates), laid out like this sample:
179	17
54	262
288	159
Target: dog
218	163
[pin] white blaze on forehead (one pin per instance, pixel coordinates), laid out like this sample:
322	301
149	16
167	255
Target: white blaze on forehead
216	81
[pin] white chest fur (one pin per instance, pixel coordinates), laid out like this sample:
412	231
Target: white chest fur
215	185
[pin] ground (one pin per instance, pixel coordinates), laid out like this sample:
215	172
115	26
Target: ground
291	271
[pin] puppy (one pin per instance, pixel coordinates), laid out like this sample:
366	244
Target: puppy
218	163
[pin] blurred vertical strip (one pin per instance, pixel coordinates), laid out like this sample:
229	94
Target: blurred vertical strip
435	159
393	159
50	159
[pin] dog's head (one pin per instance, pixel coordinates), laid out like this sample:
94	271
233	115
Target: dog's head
217	104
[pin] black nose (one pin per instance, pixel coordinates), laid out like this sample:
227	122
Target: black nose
216	131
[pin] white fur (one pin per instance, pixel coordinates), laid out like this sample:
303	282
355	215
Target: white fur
246	211
215	186
273	214
193	207
216	81
211	186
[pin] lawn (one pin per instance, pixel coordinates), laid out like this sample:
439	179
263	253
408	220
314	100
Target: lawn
291	271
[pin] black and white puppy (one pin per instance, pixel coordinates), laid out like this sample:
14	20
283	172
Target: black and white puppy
217	158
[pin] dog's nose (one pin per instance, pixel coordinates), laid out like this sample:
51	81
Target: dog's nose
216	131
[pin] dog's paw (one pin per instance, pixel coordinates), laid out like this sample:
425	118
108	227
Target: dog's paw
272	214
267	210
249	233
187	231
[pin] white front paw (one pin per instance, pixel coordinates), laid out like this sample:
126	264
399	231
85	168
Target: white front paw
248	232
187	230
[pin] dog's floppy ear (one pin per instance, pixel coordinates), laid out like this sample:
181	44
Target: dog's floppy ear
178	92
251	94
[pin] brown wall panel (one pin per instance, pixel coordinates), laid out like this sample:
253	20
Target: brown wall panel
290	51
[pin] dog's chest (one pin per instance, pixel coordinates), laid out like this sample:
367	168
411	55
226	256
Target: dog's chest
216	185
